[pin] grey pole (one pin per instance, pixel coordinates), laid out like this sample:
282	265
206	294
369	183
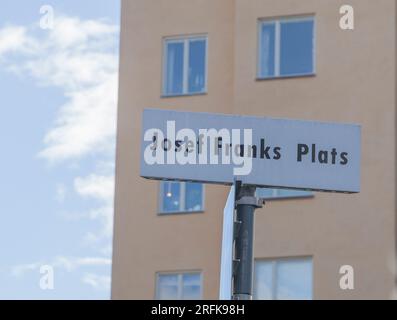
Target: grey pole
246	203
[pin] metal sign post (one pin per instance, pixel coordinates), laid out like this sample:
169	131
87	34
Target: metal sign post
246	204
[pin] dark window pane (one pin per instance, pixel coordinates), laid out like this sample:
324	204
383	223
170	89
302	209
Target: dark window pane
171	196
191	287
197	53
296	48
263	280
194	196
167	287
294	279
267	56
174	76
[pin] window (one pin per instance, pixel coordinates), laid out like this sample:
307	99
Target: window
178	286
274	194
283	279
286	47
185	66
176	197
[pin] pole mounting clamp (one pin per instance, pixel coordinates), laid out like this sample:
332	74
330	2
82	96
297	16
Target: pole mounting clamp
250	201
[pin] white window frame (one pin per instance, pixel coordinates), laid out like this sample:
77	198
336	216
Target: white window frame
186	52
182	199
179	275
277	46
274	263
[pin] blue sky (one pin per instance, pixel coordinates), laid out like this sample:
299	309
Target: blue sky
57	136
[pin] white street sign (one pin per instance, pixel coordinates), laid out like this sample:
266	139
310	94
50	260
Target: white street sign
265	152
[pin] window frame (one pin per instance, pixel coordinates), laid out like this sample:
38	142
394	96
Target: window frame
274	263
182	199
186	50
277	45
179	275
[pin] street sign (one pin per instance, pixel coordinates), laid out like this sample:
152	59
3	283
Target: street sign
264	152
225	287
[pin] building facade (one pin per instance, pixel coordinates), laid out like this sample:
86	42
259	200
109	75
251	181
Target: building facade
274	58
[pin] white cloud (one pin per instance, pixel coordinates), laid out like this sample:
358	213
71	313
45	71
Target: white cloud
13	39
98	282
71	32
100	188
105	216
85	125
19	270
71	264
96	186
79	57
68	264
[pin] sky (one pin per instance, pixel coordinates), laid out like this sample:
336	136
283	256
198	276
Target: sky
58	88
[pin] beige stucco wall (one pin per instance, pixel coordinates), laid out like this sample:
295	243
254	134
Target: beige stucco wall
354	82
